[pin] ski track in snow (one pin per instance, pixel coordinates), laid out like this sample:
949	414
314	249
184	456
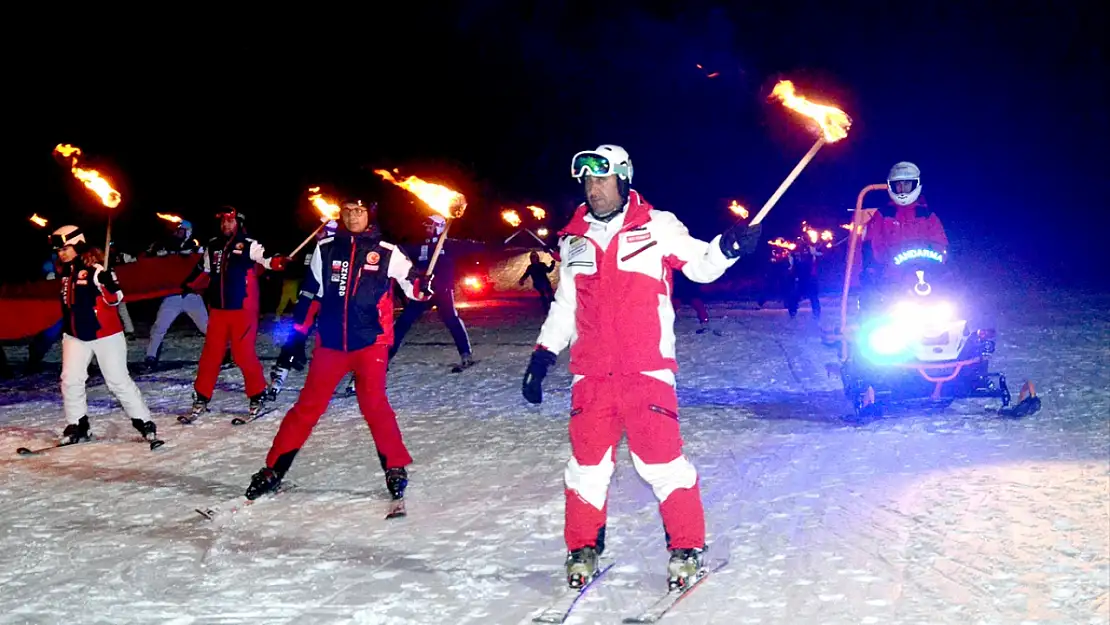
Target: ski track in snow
951	516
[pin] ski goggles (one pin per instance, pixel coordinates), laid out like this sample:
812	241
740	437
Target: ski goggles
58	241
595	164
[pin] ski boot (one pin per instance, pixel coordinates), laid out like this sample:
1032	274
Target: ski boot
76	432
264	482
277	382
466	363
148	365
200	406
581	566
396	480
258	408
349	390
684	568
149	432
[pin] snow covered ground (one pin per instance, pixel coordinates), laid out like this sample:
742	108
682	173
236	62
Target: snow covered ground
954	517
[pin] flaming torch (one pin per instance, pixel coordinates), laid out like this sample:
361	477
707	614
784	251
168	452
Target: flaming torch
512	218
738	210
834	125
538	213
328	210
448	203
173	219
94	182
38	221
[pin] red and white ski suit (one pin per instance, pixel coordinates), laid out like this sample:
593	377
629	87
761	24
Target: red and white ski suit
613	309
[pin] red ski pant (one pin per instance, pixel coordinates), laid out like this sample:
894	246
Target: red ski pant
240	329
327	370
603	408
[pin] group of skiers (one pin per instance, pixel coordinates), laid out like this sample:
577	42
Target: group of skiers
612	312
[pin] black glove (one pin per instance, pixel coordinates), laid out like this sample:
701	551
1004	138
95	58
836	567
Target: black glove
740	240
532	388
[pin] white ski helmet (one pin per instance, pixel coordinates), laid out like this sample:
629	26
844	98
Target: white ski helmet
904	183
436	222
66	235
606	160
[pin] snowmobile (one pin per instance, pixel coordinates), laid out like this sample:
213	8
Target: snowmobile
913	342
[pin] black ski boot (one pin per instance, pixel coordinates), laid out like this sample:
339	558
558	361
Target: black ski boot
350	390
467	361
149	432
396	480
277	382
200	406
258	406
685	567
581	566
264	482
76	432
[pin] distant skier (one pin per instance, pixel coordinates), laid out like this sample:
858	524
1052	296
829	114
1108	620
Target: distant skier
612	311
355	331
803	278
231	263
686	292
538	271
188	301
443	284
92	327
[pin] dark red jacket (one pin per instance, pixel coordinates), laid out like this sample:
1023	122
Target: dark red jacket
910	227
89	299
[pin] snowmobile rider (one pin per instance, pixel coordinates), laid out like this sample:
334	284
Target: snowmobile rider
188	301
909	221
613	310
92	327
351	280
231	266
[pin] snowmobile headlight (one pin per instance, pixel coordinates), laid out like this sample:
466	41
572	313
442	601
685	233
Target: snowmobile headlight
886	340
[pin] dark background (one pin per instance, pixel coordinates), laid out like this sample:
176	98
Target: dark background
1003	106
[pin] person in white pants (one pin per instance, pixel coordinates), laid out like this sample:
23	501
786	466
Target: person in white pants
172	307
92	326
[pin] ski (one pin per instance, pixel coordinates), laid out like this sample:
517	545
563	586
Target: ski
249	418
659	608
559	610
27	451
240	502
396	509
186	419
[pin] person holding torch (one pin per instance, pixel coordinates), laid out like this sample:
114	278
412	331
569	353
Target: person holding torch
230	267
350	281
613	310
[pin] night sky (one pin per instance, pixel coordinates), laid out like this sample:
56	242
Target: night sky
1002	106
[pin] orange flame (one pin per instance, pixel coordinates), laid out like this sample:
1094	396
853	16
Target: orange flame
783	243
328	209
738	210
542	232
170	218
847	227
537	212
812	234
826	235
38	221
511	217
833	121
446	202
91	178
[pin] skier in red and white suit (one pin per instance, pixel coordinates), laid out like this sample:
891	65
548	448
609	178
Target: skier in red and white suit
613	309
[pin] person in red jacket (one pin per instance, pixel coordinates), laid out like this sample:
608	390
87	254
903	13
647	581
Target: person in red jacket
230	272
613	310
91	326
911	224
350	281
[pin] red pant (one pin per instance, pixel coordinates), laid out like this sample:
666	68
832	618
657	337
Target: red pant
603	408
327	370
240	328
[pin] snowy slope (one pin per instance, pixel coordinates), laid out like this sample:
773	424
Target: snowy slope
953	517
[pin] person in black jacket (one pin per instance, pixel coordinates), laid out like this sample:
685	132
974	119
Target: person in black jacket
538	271
351	282
443	284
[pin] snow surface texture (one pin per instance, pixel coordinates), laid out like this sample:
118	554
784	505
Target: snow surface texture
952	516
